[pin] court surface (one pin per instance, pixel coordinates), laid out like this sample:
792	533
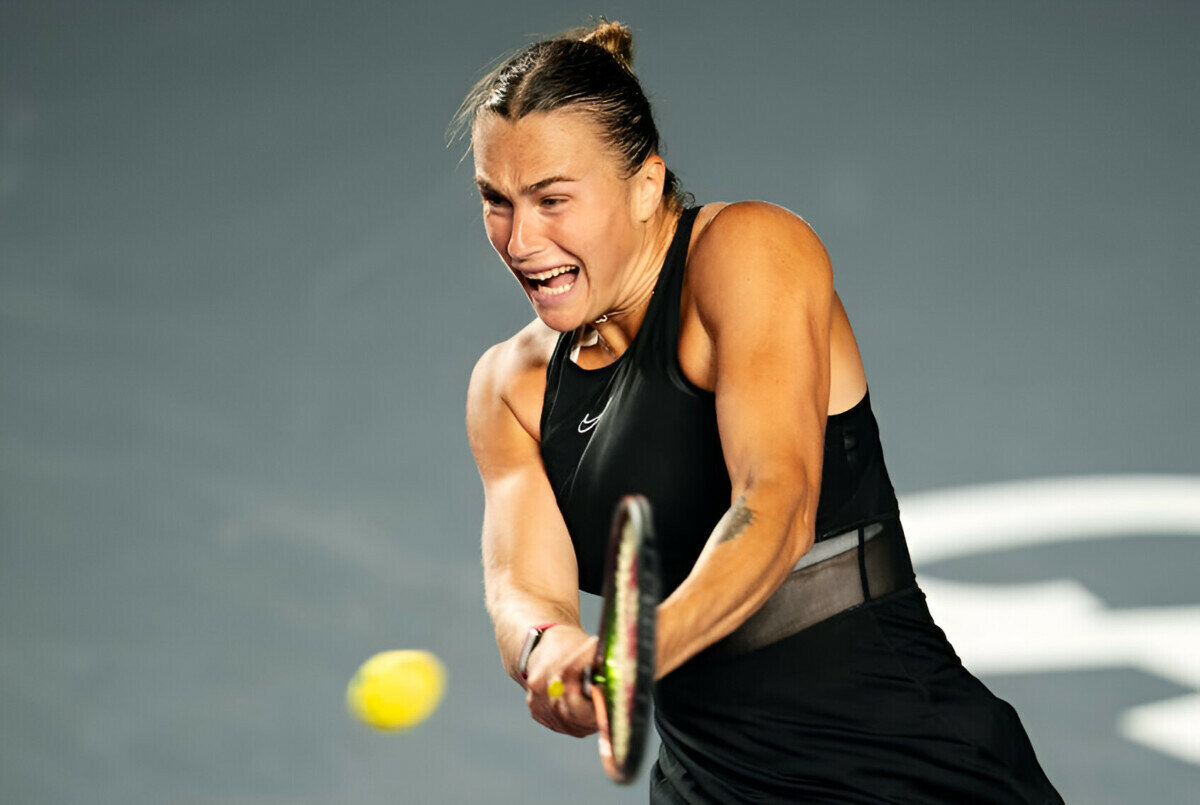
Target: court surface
243	283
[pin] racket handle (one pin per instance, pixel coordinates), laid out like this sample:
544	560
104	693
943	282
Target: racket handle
586	682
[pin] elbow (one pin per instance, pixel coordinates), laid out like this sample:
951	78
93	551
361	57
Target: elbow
798	498
801	533
789	499
802	526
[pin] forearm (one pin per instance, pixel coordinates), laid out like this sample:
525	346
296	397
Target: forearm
748	555
514	609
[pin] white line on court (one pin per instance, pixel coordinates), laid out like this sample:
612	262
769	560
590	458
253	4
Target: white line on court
1059	625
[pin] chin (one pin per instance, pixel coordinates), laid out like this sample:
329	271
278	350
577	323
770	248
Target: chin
561	320
564	313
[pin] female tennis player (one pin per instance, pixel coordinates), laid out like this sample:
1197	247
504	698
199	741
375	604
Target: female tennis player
699	355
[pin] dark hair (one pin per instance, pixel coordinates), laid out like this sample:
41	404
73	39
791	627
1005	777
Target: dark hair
587	68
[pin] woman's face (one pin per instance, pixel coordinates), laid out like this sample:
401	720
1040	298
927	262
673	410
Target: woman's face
559	212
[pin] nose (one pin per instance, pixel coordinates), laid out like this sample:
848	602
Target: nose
525	238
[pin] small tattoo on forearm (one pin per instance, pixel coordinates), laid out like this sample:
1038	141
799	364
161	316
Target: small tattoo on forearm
735	522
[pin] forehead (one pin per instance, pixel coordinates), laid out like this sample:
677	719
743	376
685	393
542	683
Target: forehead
539	144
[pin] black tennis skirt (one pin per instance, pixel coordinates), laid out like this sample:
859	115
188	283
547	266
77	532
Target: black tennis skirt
869	706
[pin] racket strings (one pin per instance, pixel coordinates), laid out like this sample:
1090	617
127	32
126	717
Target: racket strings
622	673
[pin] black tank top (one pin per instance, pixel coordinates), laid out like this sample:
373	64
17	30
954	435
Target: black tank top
639	425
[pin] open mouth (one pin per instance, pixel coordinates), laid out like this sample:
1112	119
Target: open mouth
554	281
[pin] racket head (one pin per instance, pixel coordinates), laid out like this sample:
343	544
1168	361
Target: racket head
623	668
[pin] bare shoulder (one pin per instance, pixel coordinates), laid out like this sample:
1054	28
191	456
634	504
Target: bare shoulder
527	350
755	229
509	380
757	248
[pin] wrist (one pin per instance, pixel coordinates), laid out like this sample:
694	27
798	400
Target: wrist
532	638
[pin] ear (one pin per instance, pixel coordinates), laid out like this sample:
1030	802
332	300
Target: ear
648	187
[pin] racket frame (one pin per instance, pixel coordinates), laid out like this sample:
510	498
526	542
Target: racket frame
635	511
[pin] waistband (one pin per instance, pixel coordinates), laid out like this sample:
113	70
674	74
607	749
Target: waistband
835	575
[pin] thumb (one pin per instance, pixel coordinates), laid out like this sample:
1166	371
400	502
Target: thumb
580	664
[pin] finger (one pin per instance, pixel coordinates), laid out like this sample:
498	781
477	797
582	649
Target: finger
574	728
576	704
576	713
562	714
543	712
579	667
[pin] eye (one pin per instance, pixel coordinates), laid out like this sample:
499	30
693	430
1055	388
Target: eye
493	199
553	201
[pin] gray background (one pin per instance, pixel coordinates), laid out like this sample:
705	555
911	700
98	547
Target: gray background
243	283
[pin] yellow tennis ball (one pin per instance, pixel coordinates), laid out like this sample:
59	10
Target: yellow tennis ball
395	690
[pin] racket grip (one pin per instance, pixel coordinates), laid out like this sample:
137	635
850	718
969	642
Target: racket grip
586	682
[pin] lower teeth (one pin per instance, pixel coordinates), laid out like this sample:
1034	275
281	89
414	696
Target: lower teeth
561	289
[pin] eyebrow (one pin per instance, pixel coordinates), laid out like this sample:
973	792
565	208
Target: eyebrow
528	189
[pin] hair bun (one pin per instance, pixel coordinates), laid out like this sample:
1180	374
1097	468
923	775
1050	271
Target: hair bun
613	37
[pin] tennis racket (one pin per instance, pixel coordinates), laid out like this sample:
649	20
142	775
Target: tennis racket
621	676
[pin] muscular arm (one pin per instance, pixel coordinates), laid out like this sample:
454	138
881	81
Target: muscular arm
529	569
763	290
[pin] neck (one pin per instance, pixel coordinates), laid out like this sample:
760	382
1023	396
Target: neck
617	327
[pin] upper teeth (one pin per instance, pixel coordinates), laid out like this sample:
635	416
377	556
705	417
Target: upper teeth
554	272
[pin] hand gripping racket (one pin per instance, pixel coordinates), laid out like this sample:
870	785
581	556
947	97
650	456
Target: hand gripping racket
621	676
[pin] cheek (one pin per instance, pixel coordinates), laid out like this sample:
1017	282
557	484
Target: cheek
497	232
607	240
586	233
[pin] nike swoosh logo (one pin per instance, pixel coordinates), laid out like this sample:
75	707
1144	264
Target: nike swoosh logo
587	423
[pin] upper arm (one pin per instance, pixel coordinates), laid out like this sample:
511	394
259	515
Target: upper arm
763	290
526	546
